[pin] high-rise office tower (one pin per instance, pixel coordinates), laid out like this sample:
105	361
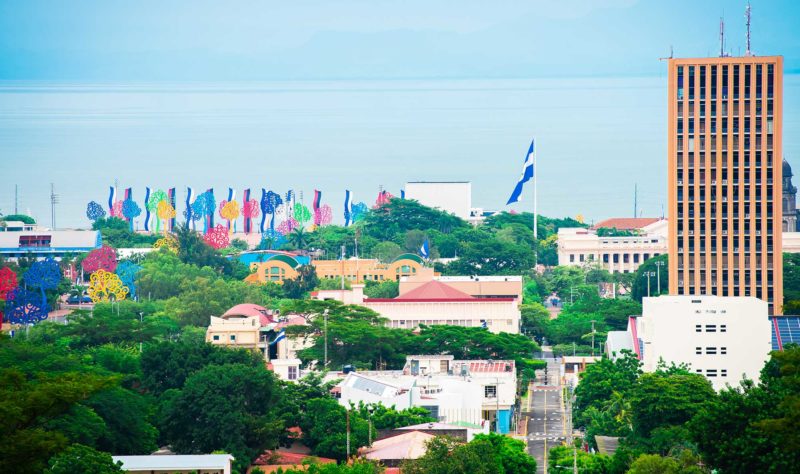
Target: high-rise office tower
725	156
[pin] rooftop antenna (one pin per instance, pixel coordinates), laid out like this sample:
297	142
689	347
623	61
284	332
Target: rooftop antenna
721	37
53	202
747	18
671	54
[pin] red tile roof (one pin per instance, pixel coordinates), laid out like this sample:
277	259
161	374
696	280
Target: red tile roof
626	223
249	310
434	290
493	366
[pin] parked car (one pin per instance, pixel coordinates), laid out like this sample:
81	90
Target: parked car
78	300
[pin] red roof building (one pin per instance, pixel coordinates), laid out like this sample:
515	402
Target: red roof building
626	223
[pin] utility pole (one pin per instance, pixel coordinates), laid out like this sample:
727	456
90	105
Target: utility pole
348	433
343	248
593	321
648	275
53	202
325	332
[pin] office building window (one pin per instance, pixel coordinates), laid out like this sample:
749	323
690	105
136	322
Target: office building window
490	391
698	350
723	350
711	350
233	337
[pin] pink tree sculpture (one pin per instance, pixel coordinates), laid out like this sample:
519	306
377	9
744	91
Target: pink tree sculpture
217	237
104	258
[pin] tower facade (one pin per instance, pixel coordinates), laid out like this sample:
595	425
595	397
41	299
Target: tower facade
725	177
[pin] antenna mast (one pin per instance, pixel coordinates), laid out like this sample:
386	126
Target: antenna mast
53	202
721	37
747	18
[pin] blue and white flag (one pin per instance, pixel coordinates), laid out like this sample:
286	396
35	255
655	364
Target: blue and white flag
424	251
281	335
348	208
484	324
527	174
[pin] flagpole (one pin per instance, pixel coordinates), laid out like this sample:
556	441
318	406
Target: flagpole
535	216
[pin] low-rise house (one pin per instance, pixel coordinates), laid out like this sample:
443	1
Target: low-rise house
241	326
477	392
394	450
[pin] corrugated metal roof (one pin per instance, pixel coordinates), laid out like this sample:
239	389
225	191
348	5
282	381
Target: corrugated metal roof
626	223
88	239
159	462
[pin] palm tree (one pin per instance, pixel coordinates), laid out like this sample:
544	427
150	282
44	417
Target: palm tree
298	237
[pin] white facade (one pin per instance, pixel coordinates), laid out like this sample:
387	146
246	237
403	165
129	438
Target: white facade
499	315
726	339
471	391
177	463
449	196
578	246
791	242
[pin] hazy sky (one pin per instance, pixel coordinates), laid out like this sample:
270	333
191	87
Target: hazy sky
303	39
357	94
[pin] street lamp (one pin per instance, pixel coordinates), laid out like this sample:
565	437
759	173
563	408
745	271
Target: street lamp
659	264
141	315
648	275
370	409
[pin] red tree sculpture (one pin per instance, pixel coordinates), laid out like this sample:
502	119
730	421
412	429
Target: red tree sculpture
217	237
104	258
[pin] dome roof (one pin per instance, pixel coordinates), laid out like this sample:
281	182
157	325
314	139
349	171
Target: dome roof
248	310
787	169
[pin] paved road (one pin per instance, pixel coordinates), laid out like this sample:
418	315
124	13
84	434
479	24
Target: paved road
545	414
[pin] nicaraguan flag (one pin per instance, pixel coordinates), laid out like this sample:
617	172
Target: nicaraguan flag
281	335
425	249
484	325
527	174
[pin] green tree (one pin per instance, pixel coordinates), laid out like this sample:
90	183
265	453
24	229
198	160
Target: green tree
117	233
305	281
601	380
386	251
401	215
229	407
83	459
562	458
791	283
325	429
383	289
492	257
534	320
639	288
485	454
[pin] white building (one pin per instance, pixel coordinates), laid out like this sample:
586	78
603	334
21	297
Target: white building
466	391
18	239
454	197
725	339
177	463
580	246
791	242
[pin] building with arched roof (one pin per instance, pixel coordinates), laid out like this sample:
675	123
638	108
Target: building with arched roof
277	268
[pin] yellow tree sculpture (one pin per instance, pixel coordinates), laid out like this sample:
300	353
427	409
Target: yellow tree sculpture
165	212
168	243
230	212
106	286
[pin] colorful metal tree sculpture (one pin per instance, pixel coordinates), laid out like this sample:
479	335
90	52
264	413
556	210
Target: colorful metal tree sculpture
168	243
287	226
130	210
104	258
45	275
250	211
116	210
165	212
217	237
301	214
155	199
8	282
316	207
95	211
273	201
229	210
25	307
325	215
106	286
358	211
126	271
271	239
383	198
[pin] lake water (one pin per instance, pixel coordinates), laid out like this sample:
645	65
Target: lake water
596	139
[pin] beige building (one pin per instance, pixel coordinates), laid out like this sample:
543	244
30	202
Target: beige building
579	246
280	267
724	144
476	286
240	326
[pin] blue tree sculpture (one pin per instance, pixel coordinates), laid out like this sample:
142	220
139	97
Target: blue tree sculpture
25	307
45	275
273	201
131	210
95	211
127	271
